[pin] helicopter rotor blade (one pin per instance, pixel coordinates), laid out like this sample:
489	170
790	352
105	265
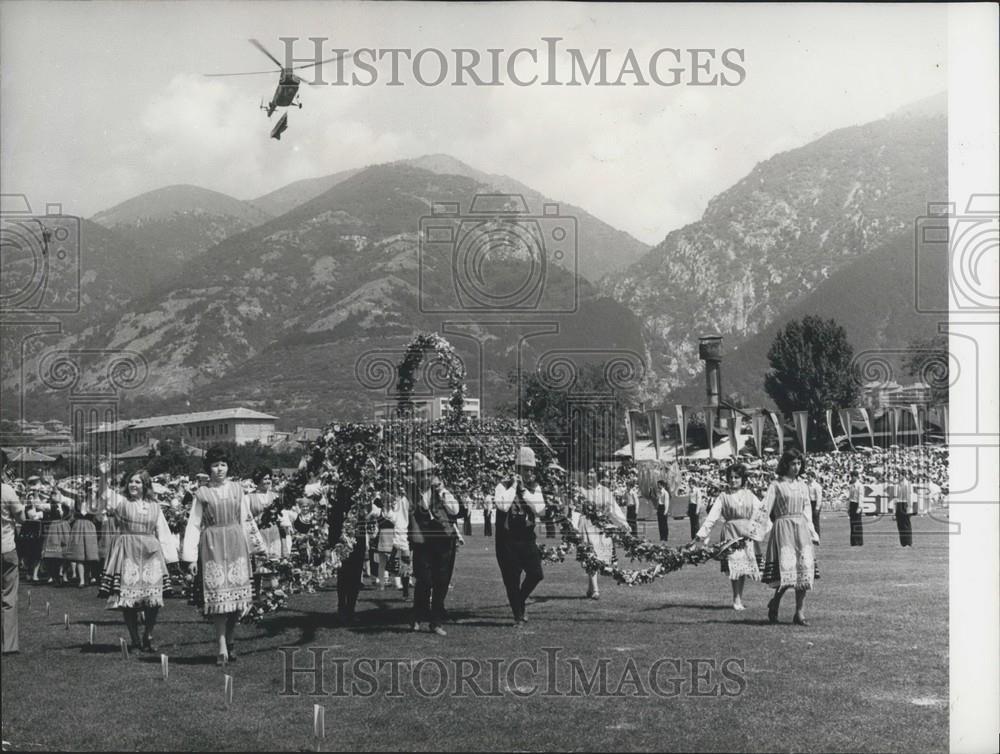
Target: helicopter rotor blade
245	73
261	47
338	56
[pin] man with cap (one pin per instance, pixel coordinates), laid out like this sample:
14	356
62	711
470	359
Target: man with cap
433	540
519	502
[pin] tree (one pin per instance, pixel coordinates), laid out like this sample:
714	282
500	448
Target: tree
928	362
811	370
582	417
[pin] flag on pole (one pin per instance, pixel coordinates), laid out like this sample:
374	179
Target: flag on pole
634	417
894	414
682	424
757	427
868	425
845	422
654	430
710	414
780	430
735	436
915	410
829	427
801	421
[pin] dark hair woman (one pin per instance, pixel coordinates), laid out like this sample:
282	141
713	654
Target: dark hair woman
218	553
790	561
739	508
135	571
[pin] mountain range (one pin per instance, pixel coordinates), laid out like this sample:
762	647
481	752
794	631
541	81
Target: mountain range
295	302
765	246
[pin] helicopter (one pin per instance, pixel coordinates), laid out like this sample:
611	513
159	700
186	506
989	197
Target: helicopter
287	91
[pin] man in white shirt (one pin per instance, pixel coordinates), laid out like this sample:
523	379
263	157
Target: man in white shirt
815	498
855	496
904	509
519	501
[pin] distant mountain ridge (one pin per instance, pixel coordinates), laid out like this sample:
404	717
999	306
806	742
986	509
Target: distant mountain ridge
763	245
278	316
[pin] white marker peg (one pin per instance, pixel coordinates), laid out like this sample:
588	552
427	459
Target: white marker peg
66	620
319	722
165	666
124	646
93	633
227	691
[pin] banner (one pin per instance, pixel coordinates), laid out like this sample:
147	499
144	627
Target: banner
801	421
757	427
894	413
868	425
654	429
735	433
682	425
780	430
845	422
915	410
631	419
829	428
710	414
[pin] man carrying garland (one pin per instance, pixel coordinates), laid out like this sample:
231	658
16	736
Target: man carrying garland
519	501
433	540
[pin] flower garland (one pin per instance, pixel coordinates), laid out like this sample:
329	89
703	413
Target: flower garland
445	354
664	559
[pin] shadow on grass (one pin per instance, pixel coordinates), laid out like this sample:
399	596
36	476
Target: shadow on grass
693	605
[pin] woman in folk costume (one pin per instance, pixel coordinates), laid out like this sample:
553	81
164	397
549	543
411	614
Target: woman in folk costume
738	507
790	562
82	550
592	534
135	572
217	551
261	499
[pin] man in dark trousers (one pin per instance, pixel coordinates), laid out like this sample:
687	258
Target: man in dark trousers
433	541
351	570
519	502
855	513
663	509
904	509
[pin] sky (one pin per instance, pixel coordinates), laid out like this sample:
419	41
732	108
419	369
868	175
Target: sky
102	101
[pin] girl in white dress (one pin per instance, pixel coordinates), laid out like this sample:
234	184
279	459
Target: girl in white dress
737	507
604	547
790	562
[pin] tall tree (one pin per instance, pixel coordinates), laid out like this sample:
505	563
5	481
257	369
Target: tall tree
928	362
811	369
583	417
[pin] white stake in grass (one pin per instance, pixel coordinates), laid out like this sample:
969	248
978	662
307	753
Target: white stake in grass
319	722
227	691
66	620
164	666
124	646
93	633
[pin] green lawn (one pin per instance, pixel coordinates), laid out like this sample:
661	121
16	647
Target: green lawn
869	674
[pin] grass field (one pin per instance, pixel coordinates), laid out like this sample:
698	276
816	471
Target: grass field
869	674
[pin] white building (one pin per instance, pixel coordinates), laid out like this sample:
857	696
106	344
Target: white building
201	429
430	409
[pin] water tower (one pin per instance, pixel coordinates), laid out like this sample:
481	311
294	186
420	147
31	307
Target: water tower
710	351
